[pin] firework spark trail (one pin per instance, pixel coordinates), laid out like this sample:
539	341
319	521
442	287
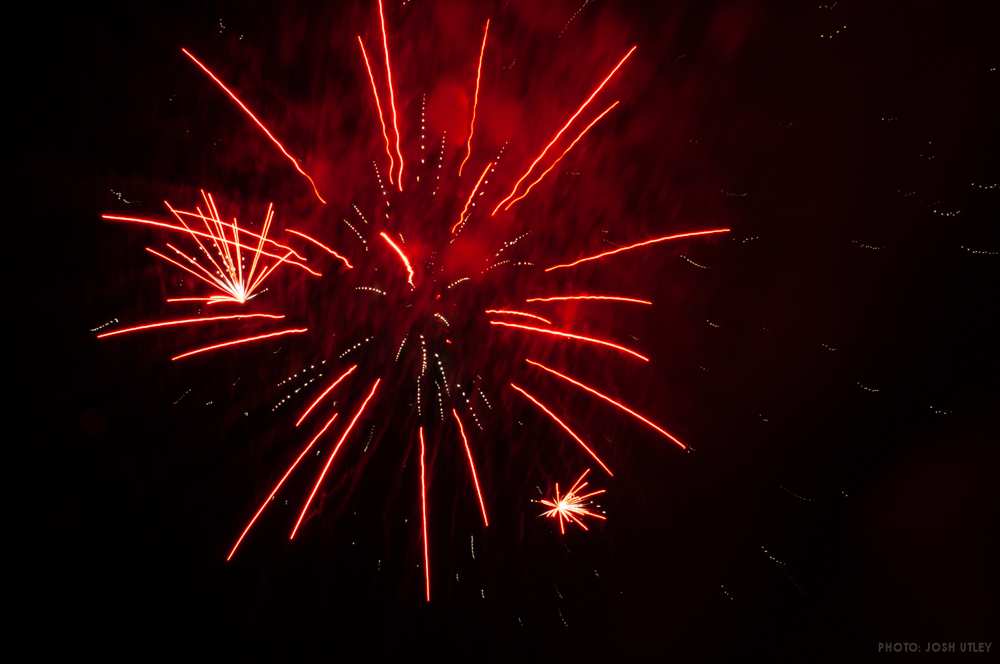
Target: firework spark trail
475	101
423	518
472	467
378	107
392	94
277	487
238	342
512	312
402	257
322	396
565	428
609	298
558	159
184	321
468	202
211	280
571	506
190	231
569	335
333	454
613	402
559	133
637	245
321	246
267	132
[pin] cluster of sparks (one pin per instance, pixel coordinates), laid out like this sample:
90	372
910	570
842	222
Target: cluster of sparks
233	263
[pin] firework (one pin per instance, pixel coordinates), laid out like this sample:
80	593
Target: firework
572	506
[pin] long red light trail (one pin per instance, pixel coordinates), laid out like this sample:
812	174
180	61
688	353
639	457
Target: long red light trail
472	467
608	298
512	312
468	202
322	396
333	454
559	133
423	518
321	246
569	335
277	487
262	236
637	245
402	257
475	100
239	342
267	132
617	404
558	159
565	427
378	107
392	94
184	321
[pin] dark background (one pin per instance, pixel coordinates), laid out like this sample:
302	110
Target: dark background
843	381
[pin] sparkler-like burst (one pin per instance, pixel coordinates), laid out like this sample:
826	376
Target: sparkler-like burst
428	315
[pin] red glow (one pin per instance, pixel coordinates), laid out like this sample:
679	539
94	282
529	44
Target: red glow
238	342
468	202
472	467
322	396
568	335
392	95
475	102
321	246
559	133
423	518
637	245
609	298
378	107
560	157
613	402
260	124
322	475
571	507
402	257
511	312
277	487
565	428
184	321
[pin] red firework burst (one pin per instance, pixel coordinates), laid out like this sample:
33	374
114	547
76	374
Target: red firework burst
234	263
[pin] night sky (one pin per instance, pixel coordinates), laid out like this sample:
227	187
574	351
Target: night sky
832	360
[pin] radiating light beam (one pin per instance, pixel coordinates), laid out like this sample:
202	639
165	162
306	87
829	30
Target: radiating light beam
267	132
472	467
321	246
322	396
237	342
184	321
569	335
617	404
475	100
333	454
402	257
565	428
637	245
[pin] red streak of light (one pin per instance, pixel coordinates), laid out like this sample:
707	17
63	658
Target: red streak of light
468	202
185	321
334	384
378	107
392	95
214	299
655	240
261	237
472	467
321	246
555	138
236	342
423	516
322	475
568	335
560	157
475	100
565	428
609	298
277	487
161	224
402	257
511	312
613	402
277	143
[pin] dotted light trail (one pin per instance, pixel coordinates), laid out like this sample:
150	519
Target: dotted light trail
637	245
